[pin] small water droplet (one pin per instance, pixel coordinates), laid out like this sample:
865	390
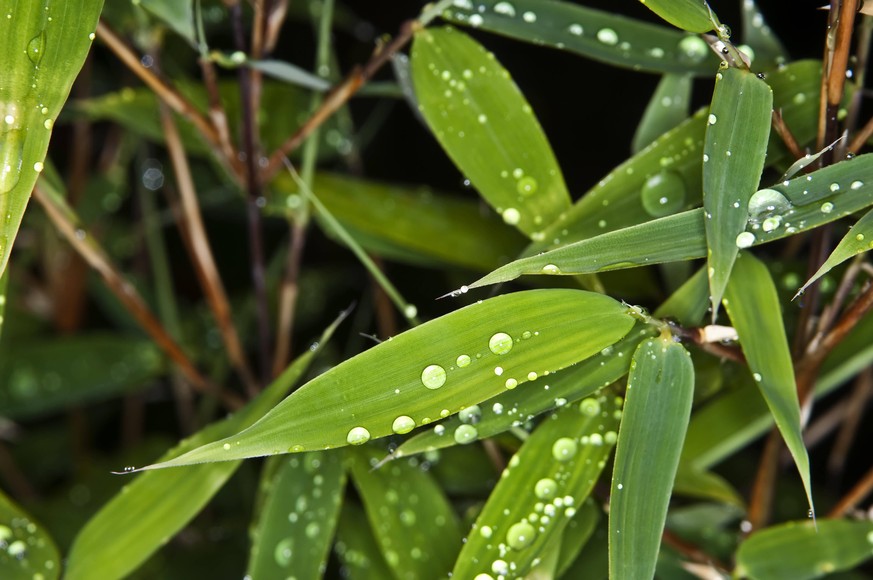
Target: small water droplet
712	119
767	202
471	415
827	207
476	20
590	407
283	552
510	383
463	360
500	343
551	269
576	30
693	49
757	377
529	17
410	311
357	436
521	535
527	185
11	154
433	376
745	240
504	8
856	185
607	36
564	449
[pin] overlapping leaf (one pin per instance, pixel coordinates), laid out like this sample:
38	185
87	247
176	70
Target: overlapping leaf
486	126
27	551
666	109
691	15
44	45
858	240
767	51
356	546
657	408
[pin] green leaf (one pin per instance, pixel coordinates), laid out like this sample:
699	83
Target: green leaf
688	304
148	511
486	126
596	34
537	495
690	15
657	408
579	530
45	375
178	15
799	550
705	485
666	109
405	223
302	498
4	288
754	310
738	127
27	551
858	240
431	371
289	73
357	548
518	406
44	45
412	520
766	49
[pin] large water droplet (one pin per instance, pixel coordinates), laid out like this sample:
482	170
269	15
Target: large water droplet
403	424
564	449
692	49
607	36
36	48
545	489
11	154
283	552
767	202
663	194
745	240
520	535
358	436
470	415
465	434
433	376
500	343
504	8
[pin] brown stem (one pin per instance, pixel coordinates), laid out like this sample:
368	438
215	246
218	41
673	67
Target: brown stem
857	494
288	297
338	96
201	253
15	479
856	404
787	136
761	501
217	114
128	296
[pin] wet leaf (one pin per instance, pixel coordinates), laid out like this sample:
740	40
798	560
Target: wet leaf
356	546
539	492
411	519
579	530
689	303
766	49
431	371
27	551
797	550
302	495
486	126
690	15
596	34
755	312
178	15
656	412
666	109
44	45
705	485
858	240
733	158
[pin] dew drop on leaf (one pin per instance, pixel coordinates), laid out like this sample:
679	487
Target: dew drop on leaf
500	343
433	376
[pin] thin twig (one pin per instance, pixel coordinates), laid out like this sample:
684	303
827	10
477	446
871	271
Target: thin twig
787	136
128	296
761	501
857	494
856	404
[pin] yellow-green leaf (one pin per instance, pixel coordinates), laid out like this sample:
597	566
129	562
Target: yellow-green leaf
27	551
690	15
858	240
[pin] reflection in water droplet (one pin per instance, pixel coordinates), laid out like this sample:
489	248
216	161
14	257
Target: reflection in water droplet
663	194
283	552
465	434
433	376
607	36
745	240
403	424
693	49
36	48
520	535
765	203
11	154
358	436
500	343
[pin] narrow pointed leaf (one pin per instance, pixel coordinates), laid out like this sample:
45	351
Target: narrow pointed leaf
148	511
768	50
579	530
688	304
301	503
178	15
858	240
431	371
596	34
4	288
27	551
545	482
290	73
413	522
44	45
705	485
690	15
655	417
666	109
755	311
486	126
518	406
798	551
738	127
357	548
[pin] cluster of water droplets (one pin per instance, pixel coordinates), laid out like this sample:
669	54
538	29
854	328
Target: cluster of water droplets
19	540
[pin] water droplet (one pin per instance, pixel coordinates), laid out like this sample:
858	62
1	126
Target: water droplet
766	202
410	311
529	17
545	488
482	118
693	49
827	207
834	187
433	376
500	343
500	567
520	535
757	377
38	166
857	185
576	30
510	383
564	449
476	20
36	48
283	552
498	371
745	240
226	446
511	216
712	119
463	361
403	424
551	269
589	407
504	8
11	153
532	376
663	194
471	415
357	436
465	434
607	36
771	223
527	185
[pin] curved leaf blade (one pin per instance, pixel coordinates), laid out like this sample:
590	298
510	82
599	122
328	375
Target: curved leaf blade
667	108
738	127
595	34
356	546
551	475
27	551
431	371
44	45
798	551
753	307
655	417
767	50
858	240
486	126
690	15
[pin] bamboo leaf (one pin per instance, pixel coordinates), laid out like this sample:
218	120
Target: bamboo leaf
858	240
44	45
738	127
148	511
690	15
289	73
431	371
412	520
27	551
302	498
767	51
688	304
579	530
518	406
596	34
178	15
486	126
667	108
550	476
655	417
357	548
800	550
754	310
